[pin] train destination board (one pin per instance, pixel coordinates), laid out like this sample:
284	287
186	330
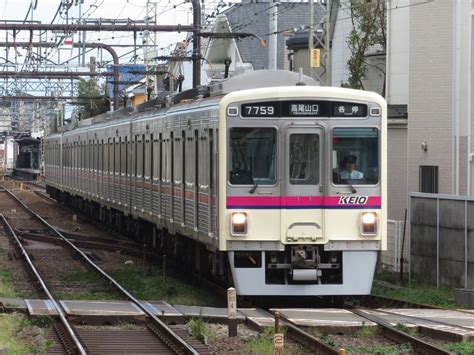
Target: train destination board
303	108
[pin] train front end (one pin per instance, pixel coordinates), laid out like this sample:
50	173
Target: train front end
302	189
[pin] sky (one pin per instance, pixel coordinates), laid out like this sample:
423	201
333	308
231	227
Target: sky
169	12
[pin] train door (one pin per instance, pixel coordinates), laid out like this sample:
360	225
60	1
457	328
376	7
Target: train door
302	213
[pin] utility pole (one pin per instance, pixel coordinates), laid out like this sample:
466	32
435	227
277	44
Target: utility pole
319	40
149	52
272	40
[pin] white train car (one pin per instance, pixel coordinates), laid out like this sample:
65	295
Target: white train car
279	187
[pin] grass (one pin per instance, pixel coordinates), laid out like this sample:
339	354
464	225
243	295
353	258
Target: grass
416	293
6	284
7	288
389	349
367	331
132	278
199	329
409	330
21	336
263	344
463	348
100	292
173	290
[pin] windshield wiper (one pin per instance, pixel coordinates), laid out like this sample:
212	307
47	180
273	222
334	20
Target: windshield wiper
353	190
254	187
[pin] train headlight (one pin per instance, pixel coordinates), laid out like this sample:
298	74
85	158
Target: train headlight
239	223
369	223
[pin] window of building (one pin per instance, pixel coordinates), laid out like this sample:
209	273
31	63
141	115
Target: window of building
429	179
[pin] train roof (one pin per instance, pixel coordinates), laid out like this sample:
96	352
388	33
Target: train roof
199	98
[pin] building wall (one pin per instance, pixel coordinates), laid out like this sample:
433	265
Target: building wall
340	51
398	39
471	92
397	171
430	103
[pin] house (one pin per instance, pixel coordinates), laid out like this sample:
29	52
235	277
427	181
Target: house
253	18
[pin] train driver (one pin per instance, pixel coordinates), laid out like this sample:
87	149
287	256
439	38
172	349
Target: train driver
348	171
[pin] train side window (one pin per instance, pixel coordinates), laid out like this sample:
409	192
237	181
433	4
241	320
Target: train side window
204	162
183	155
253	156
160	172
171	158
139	171
134	157
177	153
211	158
96	158
156	158
123	156
117	155
148	159
190	152
111	156
196	166
164	161
101	156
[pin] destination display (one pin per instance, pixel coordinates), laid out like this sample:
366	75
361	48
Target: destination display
303	108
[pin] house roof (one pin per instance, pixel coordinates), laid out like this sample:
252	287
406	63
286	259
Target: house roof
255	18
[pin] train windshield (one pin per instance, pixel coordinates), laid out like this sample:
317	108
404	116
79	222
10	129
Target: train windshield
355	156
252	156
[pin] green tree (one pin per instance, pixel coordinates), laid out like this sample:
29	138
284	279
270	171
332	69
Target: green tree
368	37
91	98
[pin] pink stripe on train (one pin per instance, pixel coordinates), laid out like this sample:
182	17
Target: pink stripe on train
303	202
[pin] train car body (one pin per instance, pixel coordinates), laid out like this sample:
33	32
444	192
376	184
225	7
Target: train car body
256	177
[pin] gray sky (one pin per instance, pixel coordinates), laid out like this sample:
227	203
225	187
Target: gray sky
170	12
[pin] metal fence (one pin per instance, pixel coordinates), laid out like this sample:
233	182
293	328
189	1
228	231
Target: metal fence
392	256
442	239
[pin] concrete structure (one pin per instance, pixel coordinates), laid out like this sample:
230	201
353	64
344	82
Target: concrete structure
442	239
439	100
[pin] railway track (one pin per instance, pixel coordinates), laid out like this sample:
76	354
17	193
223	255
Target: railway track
293	331
71	338
397	335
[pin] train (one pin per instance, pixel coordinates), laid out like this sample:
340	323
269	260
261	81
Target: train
266	180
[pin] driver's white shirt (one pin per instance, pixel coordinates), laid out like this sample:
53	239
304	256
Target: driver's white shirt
352	175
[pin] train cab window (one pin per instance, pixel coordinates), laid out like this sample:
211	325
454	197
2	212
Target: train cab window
252	156
304	159
355	156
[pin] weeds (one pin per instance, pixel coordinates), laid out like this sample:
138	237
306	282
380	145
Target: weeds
7	288
199	329
173	290
263	344
409	330
367	331
463	348
418	293
328	340
389	349
41	321
21	336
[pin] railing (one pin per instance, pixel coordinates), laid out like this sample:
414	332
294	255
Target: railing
391	258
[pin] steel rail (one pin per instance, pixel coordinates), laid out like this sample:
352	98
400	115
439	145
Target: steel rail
427	320
304	337
57	307
397	335
179	342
